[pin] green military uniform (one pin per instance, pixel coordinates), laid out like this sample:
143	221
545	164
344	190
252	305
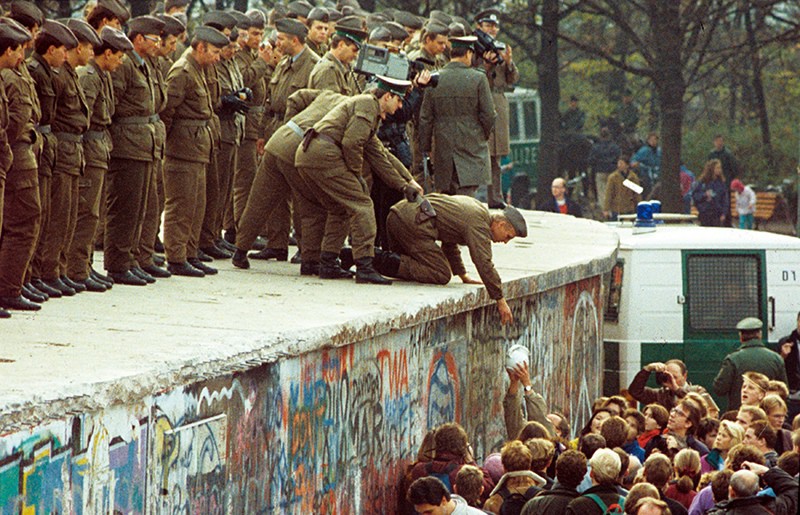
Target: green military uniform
413	127
188	117
212	189
42	75
135	148
71	121
460	220
318	48
456	119
330	73
21	205
501	78
752	356
332	166
6	157
99	94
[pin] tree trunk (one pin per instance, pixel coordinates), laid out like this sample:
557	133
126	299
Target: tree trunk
549	93
758	89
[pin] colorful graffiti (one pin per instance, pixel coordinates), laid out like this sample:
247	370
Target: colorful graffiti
331	431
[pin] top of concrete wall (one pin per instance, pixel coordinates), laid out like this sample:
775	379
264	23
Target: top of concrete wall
93	350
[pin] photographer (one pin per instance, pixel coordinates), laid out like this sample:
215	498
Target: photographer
672	378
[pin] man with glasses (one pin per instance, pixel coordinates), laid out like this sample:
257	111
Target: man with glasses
560	202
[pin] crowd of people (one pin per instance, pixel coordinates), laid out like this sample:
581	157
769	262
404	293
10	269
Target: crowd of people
650	450
244	131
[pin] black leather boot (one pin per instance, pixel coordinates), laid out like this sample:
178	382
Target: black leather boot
239	259
387	263
309	268
329	267
346	257
366	274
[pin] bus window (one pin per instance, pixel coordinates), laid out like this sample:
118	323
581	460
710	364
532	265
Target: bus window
531	120
513	122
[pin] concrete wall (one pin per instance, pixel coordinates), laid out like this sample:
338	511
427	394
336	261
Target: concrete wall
329	431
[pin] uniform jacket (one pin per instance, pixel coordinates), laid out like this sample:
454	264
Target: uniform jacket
256	73
792	361
134	93
72	117
99	94
318	48
23	115
215	95
573	208
157	65
456	120
422	53
502	78
6	157
288	77
620	199
752	356
187	116
304	108
230	80
330	73
42	75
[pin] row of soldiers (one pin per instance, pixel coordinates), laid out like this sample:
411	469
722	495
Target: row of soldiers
235	133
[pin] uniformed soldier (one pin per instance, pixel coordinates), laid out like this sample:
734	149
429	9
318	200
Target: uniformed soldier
108	12
95	80
502	77
456	120
187	118
331	159
134	149
318	27
16	242
299	10
456	220
412	24
290	75
333	71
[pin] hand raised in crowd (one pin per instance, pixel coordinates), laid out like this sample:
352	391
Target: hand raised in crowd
756	468
507	54
489	58
521	369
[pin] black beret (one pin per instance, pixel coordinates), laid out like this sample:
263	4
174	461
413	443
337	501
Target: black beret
26	12
318	14
291	26
211	36
219	20
115	39
116	8
300	8
60	32
242	21
84	32
407	19
516	220
257	18
12	30
145	25
172	25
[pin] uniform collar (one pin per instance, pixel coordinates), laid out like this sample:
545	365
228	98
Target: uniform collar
136	58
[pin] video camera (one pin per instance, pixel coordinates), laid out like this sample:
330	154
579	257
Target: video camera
487	43
375	60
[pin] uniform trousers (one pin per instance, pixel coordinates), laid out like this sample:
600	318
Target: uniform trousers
63	216
127	183
148	231
213	200
184	209
90	193
227	162
47	159
21	217
494	191
421	258
245	171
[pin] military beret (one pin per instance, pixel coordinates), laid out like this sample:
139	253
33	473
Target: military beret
172	25
463	41
351	11
242	20
440	16
84	32
516	220
488	16
319	14
181	17
353	4
115	7
375	19
211	36
13	31
169	4
291	26
396	86
277	12
26	13
456	29
115	39
299	8
380	33
434	27
334	15
257	18
59	32
460	19
749	324
145	25
219	20
407	19
395	29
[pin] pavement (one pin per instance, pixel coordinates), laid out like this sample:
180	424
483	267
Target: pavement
93	350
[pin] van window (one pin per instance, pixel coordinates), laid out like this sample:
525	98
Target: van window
722	289
513	122
531	118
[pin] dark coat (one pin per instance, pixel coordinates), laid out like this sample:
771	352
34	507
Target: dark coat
573	208
603	156
752	356
792	361
585	506
785	502
553	501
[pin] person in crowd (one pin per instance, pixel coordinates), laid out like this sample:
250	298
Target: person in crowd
570	471
744	489
518	480
656	417
706	498
604	158
658	472
639	492
672	376
589	444
574	118
616	404
681	426
561	425
728	436
615	432
430	496
469	485
790	352
754	388
543	453
620	199
760	435
707	431
711	195
635	426
751	356
535	406
605	467
776	409
730	167
559	202
683	488
649	506
647	163
745	204
593	426
778	388
749	414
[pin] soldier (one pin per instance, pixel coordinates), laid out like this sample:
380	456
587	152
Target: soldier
290	75
17	206
333	71
502	76
187	118
95	80
331	158
108	12
457	220
299	10
411	23
173	7
318	28
134	149
456	120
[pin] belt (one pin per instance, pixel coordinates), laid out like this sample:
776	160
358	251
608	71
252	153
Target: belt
311	134
44	129
94	135
136	120
296	128
190	123
258	110
68	136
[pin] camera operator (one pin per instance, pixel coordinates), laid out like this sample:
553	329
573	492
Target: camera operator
672	378
502	74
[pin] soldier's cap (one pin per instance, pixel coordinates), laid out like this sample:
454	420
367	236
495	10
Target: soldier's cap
169	4
319	14
257	18
291	26
463	41
84	32
456	30
488	16
59	32
277	12
145	25
408	19
749	324
172	25
397	86
353	11
516	220
435	28
13	31
299	8
352	28
181	17
26	12
334	15
460	19
242	20
211	36
115	39
440	16
219	20
375	19
380	34
116	8
395	29
348	3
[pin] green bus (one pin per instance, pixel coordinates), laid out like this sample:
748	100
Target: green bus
524	130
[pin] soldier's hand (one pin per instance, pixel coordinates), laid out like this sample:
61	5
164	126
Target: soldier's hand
505	312
265	52
260	144
414	184
466	279
507	55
